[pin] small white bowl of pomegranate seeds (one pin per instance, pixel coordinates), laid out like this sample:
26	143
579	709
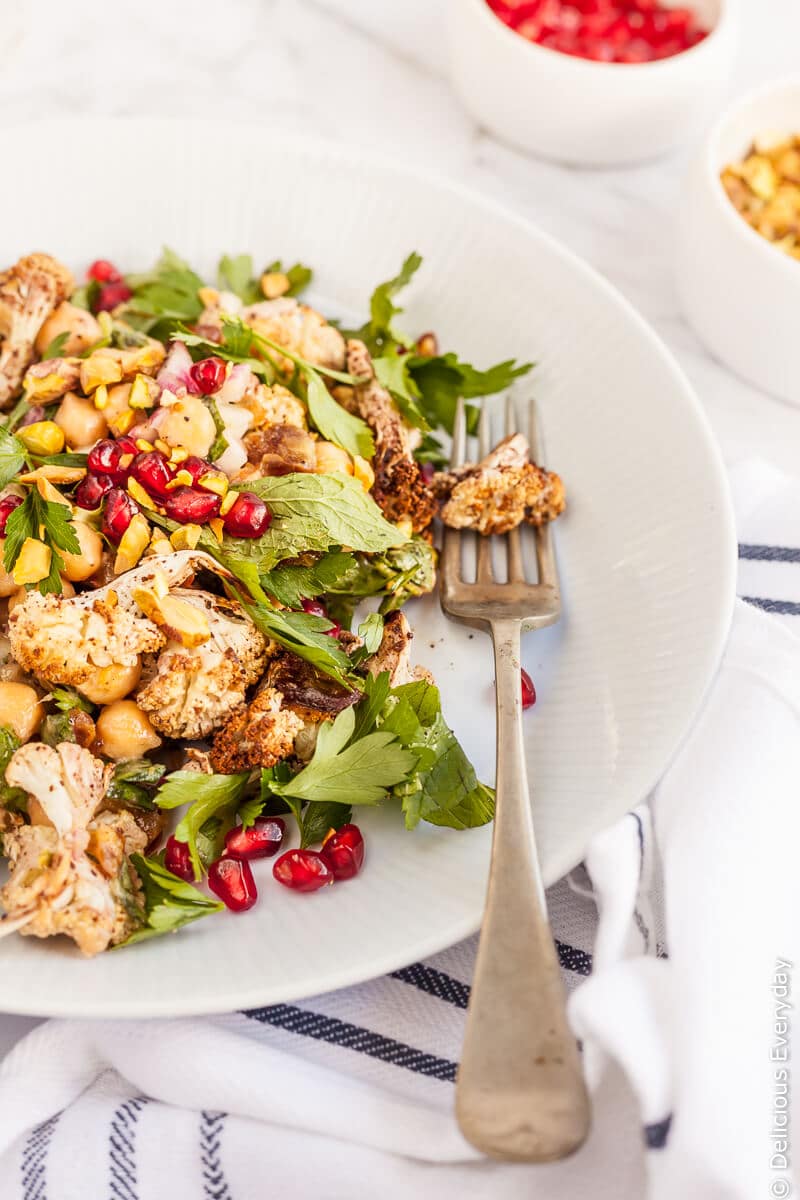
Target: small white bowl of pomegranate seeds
591	82
738	259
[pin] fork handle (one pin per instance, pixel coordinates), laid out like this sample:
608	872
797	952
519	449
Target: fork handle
520	1093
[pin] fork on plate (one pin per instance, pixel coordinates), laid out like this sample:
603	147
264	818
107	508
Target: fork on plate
520	1093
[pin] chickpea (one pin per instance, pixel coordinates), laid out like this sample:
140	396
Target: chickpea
82	423
188	423
332	458
78	567
80	325
7	584
20	709
107	684
124	731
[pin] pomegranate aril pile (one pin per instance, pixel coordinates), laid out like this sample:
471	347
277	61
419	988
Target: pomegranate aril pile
7	506
111	295
248	517
153	472
119	511
612	31
191	506
208	375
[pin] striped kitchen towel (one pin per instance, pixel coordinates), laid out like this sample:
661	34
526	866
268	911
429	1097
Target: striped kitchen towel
677	940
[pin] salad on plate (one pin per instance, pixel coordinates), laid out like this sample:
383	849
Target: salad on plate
214	504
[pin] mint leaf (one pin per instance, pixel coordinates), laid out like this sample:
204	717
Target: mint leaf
66	699
290	585
208	796
235	274
12	456
133	782
306	636
169	291
313	513
169	902
335	423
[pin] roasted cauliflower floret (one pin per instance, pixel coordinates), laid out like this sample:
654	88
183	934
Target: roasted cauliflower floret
193	690
281	449
29	292
394	653
400	489
65	866
299	328
259	734
500	492
274	405
64	640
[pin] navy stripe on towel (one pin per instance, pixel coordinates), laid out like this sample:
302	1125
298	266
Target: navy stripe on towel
353	1037
787	554
435	983
34	1160
215	1186
122	1183
656	1135
786	608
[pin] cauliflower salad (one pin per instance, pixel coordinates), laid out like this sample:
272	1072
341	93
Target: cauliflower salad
199	486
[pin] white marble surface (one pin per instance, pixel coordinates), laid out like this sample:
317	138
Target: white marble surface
375	73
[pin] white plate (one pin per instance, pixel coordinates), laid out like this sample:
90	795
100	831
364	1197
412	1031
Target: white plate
647	549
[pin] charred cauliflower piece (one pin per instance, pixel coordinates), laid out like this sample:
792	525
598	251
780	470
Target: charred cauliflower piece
258	734
29	292
301	329
400	488
193	689
65	867
274	405
394	653
500	492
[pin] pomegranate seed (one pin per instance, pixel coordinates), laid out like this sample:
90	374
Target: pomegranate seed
302	871
7	506
178	859
153	472
105	458
111	295
317	609
191	507
103	271
528	690
119	511
261	840
249	517
34	413
91	489
208	375
427	471
343	852
232	880
197	467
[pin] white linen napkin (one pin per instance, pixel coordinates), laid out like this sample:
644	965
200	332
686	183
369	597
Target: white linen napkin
681	1004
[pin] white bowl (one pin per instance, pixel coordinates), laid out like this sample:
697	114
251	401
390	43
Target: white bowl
741	294
583	112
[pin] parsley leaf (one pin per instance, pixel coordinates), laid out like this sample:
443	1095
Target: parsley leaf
306	636
12	456
371	632
380	330
12	798
440	381
169	902
86	296
443	788
236	275
334	422
391	370
357	773
43	520
66	699
208	796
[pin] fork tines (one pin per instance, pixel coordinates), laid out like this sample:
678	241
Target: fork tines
488	597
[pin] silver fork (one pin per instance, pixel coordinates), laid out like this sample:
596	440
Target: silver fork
520	1093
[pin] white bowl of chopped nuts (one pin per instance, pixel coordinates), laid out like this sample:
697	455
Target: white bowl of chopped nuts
738	260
